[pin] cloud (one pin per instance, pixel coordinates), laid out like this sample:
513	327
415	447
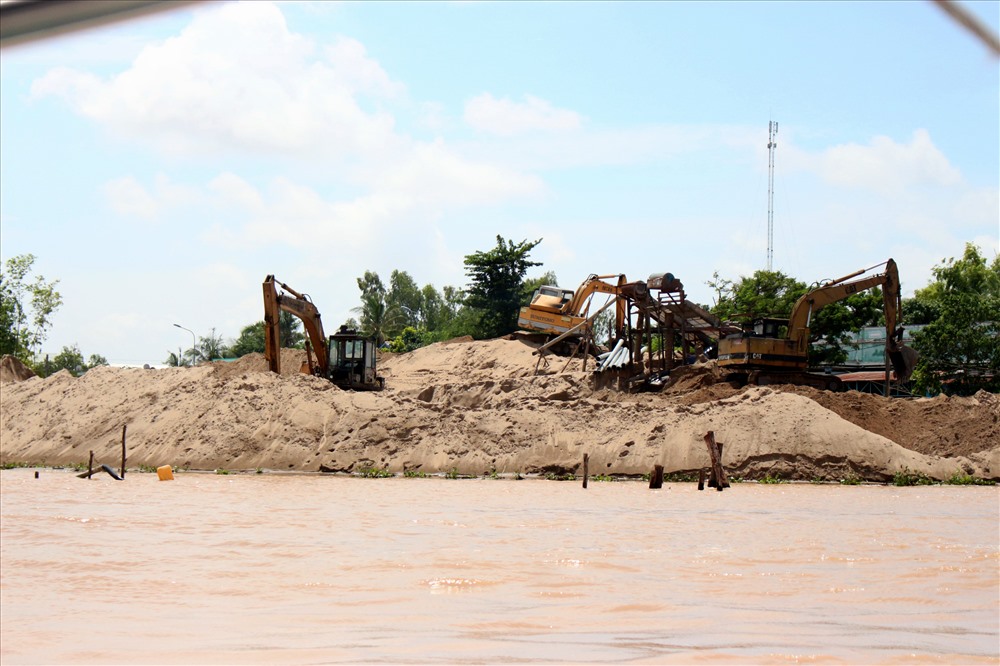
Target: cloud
236	77
508	118
129	198
883	166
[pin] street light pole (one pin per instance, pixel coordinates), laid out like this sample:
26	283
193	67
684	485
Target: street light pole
194	343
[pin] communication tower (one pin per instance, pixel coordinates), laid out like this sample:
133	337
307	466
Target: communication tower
772	132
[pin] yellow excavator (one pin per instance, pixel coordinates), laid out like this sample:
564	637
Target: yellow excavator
345	358
774	351
554	310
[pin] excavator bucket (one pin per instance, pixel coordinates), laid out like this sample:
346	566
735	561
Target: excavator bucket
903	360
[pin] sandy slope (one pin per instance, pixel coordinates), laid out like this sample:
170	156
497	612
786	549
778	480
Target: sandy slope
479	406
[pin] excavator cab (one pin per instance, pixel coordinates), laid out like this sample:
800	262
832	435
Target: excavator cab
352	361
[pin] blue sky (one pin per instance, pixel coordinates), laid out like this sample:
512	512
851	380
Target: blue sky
161	168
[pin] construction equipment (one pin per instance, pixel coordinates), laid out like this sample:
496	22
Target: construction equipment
555	311
775	350
345	358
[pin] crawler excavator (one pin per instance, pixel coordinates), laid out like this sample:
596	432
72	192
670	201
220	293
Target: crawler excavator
554	310
774	351
345	358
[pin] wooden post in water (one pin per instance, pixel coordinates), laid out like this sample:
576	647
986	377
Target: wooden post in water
123	451
656	478
701	479
90	467
586	472
718	479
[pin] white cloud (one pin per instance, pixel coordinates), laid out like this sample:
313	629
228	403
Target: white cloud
508	118
883	166
236	77
130	198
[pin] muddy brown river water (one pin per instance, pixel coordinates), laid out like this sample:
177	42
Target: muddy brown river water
303	569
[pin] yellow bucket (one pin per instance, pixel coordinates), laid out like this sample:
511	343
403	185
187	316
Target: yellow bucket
165	473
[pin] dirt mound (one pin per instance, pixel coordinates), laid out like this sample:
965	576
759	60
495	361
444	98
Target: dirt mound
941	426
12	370
476	406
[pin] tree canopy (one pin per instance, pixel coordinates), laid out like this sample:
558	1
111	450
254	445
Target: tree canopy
26	307
959	348
496	285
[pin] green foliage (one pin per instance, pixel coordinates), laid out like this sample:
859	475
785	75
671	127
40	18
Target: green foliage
405	301
851	480
491	474
374	310
552	476
375	473
959	348
26	308
764	294
17	465
147	469
222	470
251	341
772	479
832	324
408	340
530	286
602	478
907	478
962	479
212	347
414	474
69	359
496	285
452	473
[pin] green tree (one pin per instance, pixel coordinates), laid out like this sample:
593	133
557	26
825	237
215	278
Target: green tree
71	360
496	285
405	300
290	331
531	285
26	308
376	317
961	344
212	347
408	340
251	340
764	294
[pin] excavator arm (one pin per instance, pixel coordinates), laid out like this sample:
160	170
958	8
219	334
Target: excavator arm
837	290
302	307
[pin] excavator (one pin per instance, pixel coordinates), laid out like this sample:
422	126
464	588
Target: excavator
555	311
345	358
774	351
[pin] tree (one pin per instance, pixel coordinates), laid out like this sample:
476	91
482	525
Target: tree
26	307
71	360
251	340
376	317
496	285
405	301
532	285
212	347
289	331
961	344
764	294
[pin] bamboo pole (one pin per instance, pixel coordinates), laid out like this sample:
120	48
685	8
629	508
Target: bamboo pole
122	474
586	471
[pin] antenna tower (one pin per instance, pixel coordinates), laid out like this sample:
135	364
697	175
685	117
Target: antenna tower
772	132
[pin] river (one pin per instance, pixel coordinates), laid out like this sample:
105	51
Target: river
306	569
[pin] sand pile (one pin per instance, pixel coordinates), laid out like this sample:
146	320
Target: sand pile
12	370
477	406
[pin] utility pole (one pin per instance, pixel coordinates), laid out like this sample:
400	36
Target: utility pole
772	132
